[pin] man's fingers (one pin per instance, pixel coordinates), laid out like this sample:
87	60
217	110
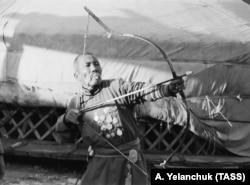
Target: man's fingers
178	85
178	81
72	116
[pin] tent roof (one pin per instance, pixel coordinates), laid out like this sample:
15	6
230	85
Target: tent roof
187	30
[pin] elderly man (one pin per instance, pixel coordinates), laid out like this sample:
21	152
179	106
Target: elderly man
111	129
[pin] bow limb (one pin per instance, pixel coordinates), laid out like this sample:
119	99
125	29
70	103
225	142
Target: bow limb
165	56
167	59
111	32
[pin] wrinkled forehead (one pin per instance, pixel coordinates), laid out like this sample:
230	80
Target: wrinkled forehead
88	58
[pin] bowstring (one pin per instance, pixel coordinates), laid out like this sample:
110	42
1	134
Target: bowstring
86	36
211	116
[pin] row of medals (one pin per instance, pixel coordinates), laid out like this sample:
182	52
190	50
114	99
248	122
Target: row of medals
109	122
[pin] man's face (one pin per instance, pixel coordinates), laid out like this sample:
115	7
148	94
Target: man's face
89	71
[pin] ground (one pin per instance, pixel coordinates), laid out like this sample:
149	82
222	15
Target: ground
40	171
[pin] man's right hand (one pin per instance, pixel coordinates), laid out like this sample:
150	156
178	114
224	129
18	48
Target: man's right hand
71	116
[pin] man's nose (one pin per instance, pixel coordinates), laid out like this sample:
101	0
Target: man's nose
93	68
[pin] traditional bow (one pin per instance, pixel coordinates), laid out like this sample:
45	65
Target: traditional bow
110	32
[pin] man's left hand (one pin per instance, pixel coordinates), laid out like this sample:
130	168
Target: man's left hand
176	86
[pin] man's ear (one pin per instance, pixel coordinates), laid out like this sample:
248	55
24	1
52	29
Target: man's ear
76	75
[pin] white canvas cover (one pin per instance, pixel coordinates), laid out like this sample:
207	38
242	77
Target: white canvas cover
39	40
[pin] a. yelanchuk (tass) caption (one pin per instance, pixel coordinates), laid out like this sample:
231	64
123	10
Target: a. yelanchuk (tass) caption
192	176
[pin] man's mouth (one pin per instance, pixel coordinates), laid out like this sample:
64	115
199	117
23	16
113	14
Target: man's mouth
95	76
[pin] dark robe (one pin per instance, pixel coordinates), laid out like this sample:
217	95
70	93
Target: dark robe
112	131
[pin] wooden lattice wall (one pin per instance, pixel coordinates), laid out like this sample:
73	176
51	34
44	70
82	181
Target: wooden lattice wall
28	123
158	137
38	124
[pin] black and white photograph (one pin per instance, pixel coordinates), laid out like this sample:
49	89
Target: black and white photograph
124	92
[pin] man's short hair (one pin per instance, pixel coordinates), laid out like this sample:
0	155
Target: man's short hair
79	58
